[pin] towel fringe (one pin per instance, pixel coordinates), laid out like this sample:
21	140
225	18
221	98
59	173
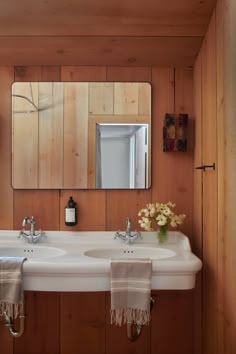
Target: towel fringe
130	315
11	310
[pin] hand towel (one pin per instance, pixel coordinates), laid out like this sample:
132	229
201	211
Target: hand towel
11	290
130	291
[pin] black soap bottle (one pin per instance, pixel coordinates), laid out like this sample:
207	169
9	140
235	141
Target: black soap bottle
71	213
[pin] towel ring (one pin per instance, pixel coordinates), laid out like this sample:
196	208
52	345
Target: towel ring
133	332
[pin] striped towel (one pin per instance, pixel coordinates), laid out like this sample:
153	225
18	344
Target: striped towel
130	291
11	290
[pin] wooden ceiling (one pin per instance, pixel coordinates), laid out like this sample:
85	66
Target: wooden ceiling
102	32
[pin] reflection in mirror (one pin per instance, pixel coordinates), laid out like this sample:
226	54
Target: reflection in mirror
61	135
122	156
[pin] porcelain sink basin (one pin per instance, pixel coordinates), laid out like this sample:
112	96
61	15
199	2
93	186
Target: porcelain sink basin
130	252
31	252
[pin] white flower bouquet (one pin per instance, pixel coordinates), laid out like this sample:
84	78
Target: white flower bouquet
160	213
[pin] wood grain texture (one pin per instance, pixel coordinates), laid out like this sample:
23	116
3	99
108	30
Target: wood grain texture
197	241
82	323
121	204
184	104
50	135
229	247
6	192
107	210
91	206
221	177
25	142
75	135
172	312
209	147
176	184
41	326
42	204
5	339
117	51
89	18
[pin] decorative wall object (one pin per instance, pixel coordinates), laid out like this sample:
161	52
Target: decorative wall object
175	132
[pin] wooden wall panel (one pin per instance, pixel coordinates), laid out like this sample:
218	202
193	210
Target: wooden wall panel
41	334
100	99
107	210
95	220
221	162
197	202
116	337
171	326
43	205
6	192
50	135
75	135
209	145
91	206
5	339
82	323
172	172
99	50
25	120
121	204
184	183
229	232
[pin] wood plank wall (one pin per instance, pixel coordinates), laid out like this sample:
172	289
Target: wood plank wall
172	179
214	192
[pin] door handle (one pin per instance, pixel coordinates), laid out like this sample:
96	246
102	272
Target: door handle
204	167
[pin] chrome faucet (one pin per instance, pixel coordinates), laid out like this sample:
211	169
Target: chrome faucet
128	237
31	236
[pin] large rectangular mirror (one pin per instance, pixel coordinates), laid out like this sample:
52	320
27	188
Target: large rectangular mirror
81	135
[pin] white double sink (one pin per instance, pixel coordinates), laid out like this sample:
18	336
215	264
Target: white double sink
80	261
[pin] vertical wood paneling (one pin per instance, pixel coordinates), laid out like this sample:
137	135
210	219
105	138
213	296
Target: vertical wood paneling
171	326
100	98
125	98
209	192
6	192
44	205
229	232
75	135
221	217
25	135
100	210
5	339
91	206
41	334
162	102
87	220
121	204
50	135
197	202
184	184
82	323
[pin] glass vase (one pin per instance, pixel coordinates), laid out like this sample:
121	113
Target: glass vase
162	233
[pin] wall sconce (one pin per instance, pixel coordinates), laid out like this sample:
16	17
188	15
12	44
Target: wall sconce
175	132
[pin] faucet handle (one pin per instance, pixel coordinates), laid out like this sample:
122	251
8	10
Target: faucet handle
25	220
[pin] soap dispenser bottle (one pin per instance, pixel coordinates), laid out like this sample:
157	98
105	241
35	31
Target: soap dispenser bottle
71	213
